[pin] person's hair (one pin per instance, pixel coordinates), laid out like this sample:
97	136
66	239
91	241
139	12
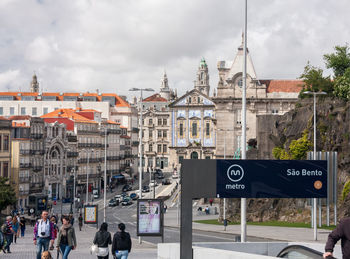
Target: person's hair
104	226
8	217
66	218
14	220
121	226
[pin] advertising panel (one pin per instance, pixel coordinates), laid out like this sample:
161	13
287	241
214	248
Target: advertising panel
271	178
149	217
90	214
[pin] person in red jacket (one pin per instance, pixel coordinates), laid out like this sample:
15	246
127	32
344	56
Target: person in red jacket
342	231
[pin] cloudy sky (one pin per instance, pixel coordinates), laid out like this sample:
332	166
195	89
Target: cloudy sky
113	45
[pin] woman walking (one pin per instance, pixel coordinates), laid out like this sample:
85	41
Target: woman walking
102	240
121	246
66	240
15	227
80	219
22	224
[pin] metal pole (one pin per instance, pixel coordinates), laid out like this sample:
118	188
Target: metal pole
140	147
244	200
225	198
315	199
105	181
154	186
87	179
74	189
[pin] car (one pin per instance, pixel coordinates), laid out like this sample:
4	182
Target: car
166	182
118	197
134	196
158	171
126	188
126	202
160	176
153	183
112	203
145	188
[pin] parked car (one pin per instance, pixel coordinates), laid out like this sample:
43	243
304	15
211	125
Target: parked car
118	197
153	183
112	203
134	196
145	188
126	201
126	188
166	182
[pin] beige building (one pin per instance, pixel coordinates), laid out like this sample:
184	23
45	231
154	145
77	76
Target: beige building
5	149
263	97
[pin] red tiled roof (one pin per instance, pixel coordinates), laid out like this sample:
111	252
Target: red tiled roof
20	117
19	125
68	113
155	98
3	118
283	86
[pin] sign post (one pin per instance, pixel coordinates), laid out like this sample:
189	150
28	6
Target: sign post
91	214
150	220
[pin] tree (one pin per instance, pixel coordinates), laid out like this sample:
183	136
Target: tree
339	61
7	194
342	85
315	81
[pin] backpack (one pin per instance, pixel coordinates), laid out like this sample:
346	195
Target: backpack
4	228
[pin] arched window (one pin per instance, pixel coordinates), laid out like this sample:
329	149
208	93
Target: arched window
194	155
240	82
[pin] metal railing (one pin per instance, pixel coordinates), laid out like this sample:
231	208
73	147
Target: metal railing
36	135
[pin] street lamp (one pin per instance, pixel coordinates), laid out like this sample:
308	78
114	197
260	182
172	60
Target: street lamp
105	177
140	136
315	199
87	173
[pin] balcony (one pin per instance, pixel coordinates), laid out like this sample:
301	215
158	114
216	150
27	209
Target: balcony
72	138
72	154
150	153
113	157
36	135
111	131
25	165
82	177
23	192
37	168
88	132
37	152
135	143
71	167
92	145
24	152
91	160
36	187
135	130
23	179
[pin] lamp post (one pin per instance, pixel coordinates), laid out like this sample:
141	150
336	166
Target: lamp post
73	171
105	178
140	136
315	199
87	173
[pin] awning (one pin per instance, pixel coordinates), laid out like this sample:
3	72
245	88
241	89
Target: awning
126	176
119	176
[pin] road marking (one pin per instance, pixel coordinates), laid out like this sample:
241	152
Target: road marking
202	235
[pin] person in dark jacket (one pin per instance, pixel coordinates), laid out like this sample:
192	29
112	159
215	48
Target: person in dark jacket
102	240
342	232
121	245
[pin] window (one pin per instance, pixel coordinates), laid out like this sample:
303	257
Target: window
207	157
150	162
181	129
181	158
164	134
274	111
189	100
1	110
165	122
56	108
150	122
159	148
150	134
198	99
34	111
238	116
165	148
150	148
12	110
240	82
207	129
143	122
5	169
6	142
194	129
23	110
159	133
143	133
0	141
159	121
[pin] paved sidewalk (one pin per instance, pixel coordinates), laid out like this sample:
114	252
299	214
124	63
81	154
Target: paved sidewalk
25	249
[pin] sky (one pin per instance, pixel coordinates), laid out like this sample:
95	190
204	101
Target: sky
114	45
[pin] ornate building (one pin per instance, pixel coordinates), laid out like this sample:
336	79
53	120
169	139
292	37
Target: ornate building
193	122
263	97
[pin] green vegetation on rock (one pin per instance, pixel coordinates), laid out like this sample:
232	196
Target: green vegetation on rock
7	194
346	190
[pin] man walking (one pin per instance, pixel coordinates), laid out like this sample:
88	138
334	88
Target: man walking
43	234
8	232
342	232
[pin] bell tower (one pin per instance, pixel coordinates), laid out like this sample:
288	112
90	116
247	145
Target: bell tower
202	80
34	85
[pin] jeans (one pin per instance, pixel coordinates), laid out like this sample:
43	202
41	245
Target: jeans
9	238
22	231
123	254
42	244
65	249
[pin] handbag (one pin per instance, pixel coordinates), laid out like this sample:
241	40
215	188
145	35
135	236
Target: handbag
102	251
93	249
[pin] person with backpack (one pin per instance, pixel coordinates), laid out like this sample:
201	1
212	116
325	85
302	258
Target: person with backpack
8	232
22	224
66	240
43	234
121	245
102	240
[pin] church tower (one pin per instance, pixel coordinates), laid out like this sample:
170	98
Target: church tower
202	80
34	85
164	88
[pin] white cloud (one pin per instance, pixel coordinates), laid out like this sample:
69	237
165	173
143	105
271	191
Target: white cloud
116	45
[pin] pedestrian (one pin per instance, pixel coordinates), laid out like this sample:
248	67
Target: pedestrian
43	234
66	240
121	245
71	219
165	207
15	227
102	240
7	230
22	224
55	231
80	219
342	231
207	210
211	202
